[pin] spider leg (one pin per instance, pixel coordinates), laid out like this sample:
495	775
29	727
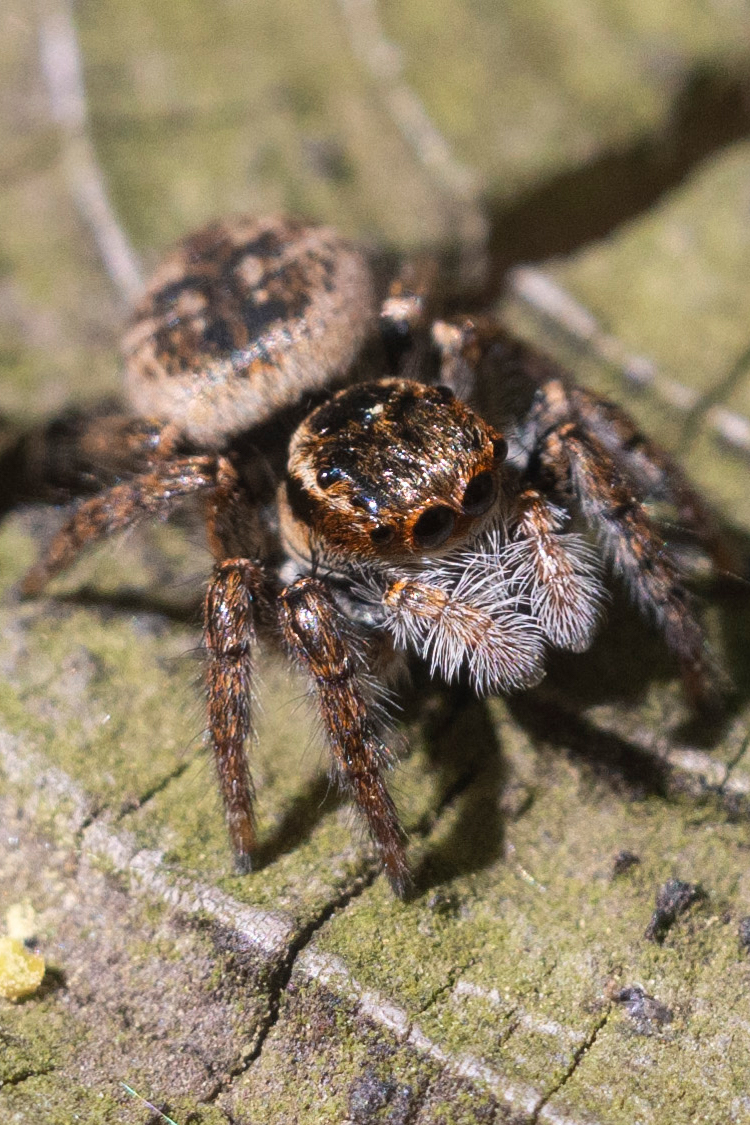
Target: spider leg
405	316
469	619
568	427
236	588
658	474
229	639
483	364
321	639
562	573
80	452
154	493
406	308
635	548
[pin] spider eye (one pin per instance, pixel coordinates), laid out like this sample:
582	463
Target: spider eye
479	494
434	526
499	449
381	535
327	477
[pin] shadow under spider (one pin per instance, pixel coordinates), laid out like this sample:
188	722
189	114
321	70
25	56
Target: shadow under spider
464	752
188	612
303	813
580	205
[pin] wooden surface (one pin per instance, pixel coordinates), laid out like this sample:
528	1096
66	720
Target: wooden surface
604	143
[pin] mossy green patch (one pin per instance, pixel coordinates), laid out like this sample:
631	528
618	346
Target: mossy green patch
519	973
32	1040
211	125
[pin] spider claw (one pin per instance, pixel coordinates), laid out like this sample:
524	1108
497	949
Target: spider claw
400	881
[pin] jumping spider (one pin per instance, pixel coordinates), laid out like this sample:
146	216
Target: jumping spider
382	517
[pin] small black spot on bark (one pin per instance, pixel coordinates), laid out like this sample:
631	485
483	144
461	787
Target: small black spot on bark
370	1095
623	861
648	1014
673	899
744	932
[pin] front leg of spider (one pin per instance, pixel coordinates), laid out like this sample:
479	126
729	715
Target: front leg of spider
322	640
229	639
234	593
590	449
561	573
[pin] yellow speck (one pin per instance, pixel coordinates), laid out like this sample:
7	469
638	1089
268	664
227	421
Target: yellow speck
20	921
21	971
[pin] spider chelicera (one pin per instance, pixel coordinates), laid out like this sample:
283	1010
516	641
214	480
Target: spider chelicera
357	506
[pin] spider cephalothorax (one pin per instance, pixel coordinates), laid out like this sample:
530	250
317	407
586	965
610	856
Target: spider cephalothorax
402	519
390	470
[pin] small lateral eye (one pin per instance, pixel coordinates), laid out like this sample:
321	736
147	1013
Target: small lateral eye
434	526
499	449
381	534
479	494
327	477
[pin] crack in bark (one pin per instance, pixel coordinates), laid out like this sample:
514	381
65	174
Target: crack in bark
578	1055
282	973
447	986
25	1075
99	811
158	787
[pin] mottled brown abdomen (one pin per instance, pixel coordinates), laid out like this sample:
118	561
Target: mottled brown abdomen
240	320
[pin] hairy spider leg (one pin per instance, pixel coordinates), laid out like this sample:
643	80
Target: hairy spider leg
229	639
657	473
321	639
464	344
83	451
450	627
154	493
636	549
563	573
407	308
234	593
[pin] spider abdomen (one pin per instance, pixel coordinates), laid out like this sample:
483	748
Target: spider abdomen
243	318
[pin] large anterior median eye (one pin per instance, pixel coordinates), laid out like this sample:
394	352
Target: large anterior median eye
479	494
434	526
